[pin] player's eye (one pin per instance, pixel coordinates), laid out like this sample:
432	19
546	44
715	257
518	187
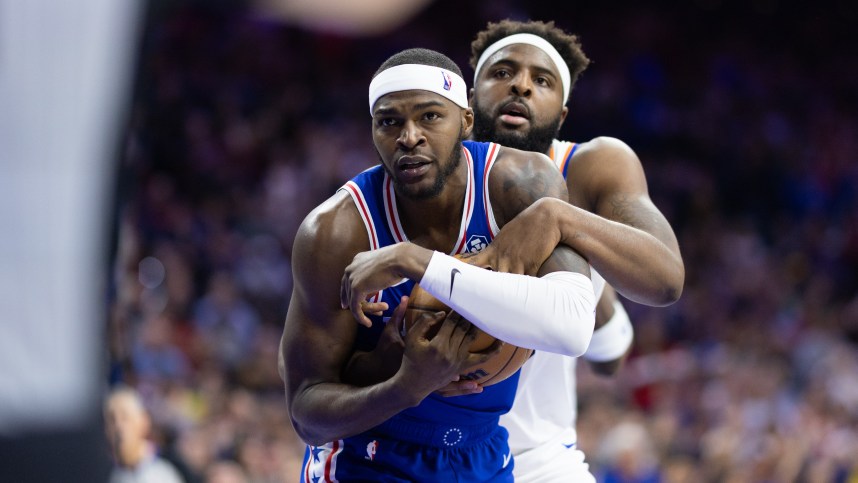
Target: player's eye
543	81
502	74
387	122
431	116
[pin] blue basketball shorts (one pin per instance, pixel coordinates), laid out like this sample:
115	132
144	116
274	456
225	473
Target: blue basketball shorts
399	451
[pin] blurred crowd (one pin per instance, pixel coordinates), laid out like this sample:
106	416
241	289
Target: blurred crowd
240	125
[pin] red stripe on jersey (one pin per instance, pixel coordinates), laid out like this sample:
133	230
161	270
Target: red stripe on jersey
364	210
469	205
490	159
329	461
390	206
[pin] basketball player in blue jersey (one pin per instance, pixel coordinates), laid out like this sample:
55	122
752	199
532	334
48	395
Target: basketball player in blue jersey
524	72
432	196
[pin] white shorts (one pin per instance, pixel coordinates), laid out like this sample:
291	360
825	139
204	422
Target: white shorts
556	460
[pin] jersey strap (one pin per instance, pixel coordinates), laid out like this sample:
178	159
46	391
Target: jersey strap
561	153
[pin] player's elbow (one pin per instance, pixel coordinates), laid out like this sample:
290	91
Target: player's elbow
663	295
665	288
671	294
308	436
306	423
310	433
574	313
577	345
672	288
574	338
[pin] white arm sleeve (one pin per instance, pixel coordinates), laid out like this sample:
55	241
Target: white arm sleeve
612	340
555	313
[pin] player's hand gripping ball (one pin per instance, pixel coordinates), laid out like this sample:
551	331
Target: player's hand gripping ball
492	371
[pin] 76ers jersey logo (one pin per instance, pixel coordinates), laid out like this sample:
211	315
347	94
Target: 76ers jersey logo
371	449
477	243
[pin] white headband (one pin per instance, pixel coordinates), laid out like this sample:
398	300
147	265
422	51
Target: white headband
407	77
537	42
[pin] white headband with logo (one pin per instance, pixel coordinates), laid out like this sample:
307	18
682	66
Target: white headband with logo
408	77
537	42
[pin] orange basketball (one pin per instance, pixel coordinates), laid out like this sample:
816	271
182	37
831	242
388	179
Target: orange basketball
494	370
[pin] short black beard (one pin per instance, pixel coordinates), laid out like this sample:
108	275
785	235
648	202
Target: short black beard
455	159
538	138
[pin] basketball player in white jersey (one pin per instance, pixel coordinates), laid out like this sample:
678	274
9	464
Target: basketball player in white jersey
390	227
524	72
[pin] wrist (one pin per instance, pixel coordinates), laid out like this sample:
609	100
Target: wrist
404	387
412	260
552	209
566	220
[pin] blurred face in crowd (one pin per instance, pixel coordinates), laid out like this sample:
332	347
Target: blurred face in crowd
518	99
127	425
418	135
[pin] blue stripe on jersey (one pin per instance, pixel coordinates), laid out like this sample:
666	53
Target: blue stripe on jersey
569	159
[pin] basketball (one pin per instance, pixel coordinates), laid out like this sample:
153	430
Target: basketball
494	370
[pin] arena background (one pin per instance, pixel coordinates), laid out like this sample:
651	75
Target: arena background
743	114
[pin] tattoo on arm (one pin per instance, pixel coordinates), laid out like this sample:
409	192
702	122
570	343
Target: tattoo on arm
521	195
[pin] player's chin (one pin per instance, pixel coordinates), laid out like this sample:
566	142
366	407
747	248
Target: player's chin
502	127
511	137
418	191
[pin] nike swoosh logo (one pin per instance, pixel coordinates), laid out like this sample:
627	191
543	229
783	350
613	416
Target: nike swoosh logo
506	459
568	445
453	274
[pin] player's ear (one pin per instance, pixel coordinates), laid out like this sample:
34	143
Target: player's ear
563	114
467	122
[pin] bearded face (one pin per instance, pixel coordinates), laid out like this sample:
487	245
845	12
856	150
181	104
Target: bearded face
447	168
532	135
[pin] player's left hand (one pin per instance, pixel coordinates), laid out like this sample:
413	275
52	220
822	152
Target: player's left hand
376	270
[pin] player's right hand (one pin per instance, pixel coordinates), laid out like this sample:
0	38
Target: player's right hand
433	364
515	249
430	364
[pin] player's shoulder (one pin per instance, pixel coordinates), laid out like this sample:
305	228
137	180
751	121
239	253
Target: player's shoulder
334	222
604	147
519	178
603	156
519	161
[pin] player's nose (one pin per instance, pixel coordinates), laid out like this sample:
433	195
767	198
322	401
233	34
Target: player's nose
521	85
410	136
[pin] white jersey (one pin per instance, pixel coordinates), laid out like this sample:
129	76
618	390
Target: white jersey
545	403
561	153
545	409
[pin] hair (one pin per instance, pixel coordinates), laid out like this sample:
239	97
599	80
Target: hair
128	392
567	45
420	56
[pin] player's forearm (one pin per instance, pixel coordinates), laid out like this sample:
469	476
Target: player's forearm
367	368
639	265
554	313
326	412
